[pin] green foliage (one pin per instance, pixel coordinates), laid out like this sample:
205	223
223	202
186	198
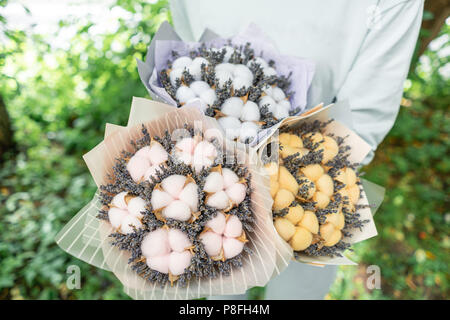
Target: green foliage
59	100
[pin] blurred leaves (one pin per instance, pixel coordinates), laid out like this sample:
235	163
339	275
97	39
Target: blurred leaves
59	100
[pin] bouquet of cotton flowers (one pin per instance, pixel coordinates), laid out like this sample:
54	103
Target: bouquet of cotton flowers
321	204
242	81
179	213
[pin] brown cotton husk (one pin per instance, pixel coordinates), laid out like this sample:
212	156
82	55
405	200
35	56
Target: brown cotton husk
359	150
257	268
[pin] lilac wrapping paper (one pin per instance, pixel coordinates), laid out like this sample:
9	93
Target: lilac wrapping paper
166	40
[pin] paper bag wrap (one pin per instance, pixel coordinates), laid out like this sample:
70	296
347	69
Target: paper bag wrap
166	40
371	194
86	237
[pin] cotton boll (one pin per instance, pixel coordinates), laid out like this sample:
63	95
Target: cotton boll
269	72
160	263
233	107
200	60
229	177
208	96
199	87
150	172
181	63
137	167
242	71
217	224
204	155
232	247
178	261
278	94
185	145
281	112
218	200
185	94
174	75
223	76
212	243
260	61
155	243
160	199
178	240
241	82
189	195
269	102
248	130
236	193
228	53
143	152
268	90
227	67
157	153
231	126
233	228
116	216
129	221
136	206
214	182
177	210
195	70
119	200
173	184
250	112
285	104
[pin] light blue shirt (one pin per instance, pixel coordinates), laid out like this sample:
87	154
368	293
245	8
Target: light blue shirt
362	48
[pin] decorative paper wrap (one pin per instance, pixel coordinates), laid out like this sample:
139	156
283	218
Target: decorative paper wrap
166	40
371	194
86	237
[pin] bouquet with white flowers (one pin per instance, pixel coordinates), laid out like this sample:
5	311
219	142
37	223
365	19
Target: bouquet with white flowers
243	81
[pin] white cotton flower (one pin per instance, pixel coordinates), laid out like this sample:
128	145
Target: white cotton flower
231	126
186	63
224	189
276	102
185	94
144	163
237	114
167	251
250	112
239	74
222	240
197	89
177	198
228	52
232	107
126	212
248	130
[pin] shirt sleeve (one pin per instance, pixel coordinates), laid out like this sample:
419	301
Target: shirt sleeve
374	85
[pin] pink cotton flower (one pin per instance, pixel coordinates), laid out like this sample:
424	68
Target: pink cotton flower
176	197
224	237
144	163
195	152
125	212
224	189
167	250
